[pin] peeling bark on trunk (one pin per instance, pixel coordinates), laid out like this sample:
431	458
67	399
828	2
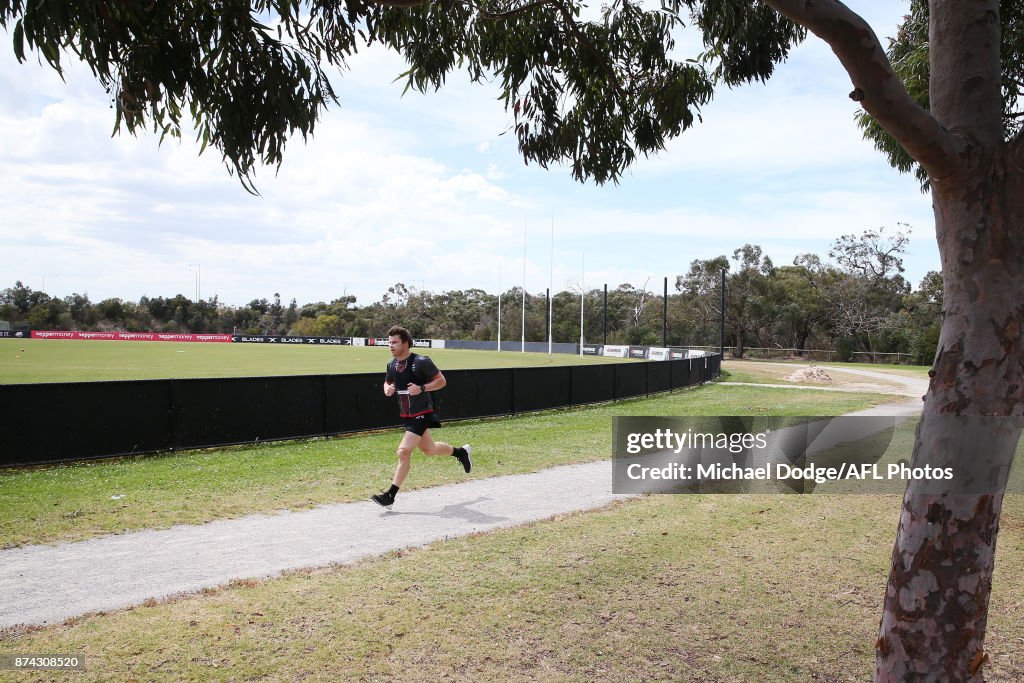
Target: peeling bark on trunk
936	603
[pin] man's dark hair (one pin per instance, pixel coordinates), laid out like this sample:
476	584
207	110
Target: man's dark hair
402	333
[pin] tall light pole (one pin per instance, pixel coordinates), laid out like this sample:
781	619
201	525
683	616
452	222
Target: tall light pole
551	287
721	329
523	349
196	271
583	270
664	316
499	305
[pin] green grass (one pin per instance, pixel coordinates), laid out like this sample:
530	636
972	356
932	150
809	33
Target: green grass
662	588
64	360
77	501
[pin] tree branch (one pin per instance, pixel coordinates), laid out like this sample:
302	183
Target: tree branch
574	27
878	90
401	4
513	12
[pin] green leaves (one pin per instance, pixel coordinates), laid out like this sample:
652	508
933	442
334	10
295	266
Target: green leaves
591	93
19	41
745	39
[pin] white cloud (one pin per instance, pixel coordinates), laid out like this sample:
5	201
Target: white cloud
424	189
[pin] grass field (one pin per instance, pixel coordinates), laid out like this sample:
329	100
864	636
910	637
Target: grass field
64	360
661	588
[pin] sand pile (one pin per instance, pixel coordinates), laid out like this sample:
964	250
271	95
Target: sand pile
811	374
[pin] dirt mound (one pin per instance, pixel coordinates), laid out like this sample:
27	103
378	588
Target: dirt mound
811	374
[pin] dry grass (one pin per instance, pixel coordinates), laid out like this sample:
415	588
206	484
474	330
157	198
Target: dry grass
771	373
664	588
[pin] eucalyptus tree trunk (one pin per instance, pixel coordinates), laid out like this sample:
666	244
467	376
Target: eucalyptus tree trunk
936	603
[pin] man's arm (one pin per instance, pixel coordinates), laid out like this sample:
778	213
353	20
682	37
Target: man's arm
436	384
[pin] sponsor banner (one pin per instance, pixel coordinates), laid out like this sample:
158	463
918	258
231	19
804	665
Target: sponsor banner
131	336
637	351
437	343
359	341
591	349
677	354
616	351
331	341
386	341
695	354
50	334
657	353
15	334
261	339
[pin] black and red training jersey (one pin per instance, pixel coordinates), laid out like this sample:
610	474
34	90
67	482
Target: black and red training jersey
415	369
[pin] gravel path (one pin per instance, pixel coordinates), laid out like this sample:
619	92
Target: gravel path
47	584
906	386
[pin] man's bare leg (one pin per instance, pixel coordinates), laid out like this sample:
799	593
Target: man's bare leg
408	444
427	445
430	447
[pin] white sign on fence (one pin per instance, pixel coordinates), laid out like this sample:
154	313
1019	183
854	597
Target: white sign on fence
616	351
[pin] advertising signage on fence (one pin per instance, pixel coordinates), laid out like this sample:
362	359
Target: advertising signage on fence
657	354
637	351
14	334
261	339
591	350
333	341
616	351
385	341
130	336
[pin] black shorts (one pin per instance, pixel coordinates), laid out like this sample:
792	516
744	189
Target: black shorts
421	423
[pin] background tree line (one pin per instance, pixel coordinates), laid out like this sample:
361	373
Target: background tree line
857	302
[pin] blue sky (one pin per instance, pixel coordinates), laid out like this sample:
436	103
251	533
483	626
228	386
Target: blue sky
425	190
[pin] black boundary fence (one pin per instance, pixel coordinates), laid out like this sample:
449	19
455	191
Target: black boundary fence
64	422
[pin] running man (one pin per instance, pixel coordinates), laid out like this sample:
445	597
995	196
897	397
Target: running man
412	377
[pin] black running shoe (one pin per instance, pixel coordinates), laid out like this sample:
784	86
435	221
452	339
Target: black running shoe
384	499
467	464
